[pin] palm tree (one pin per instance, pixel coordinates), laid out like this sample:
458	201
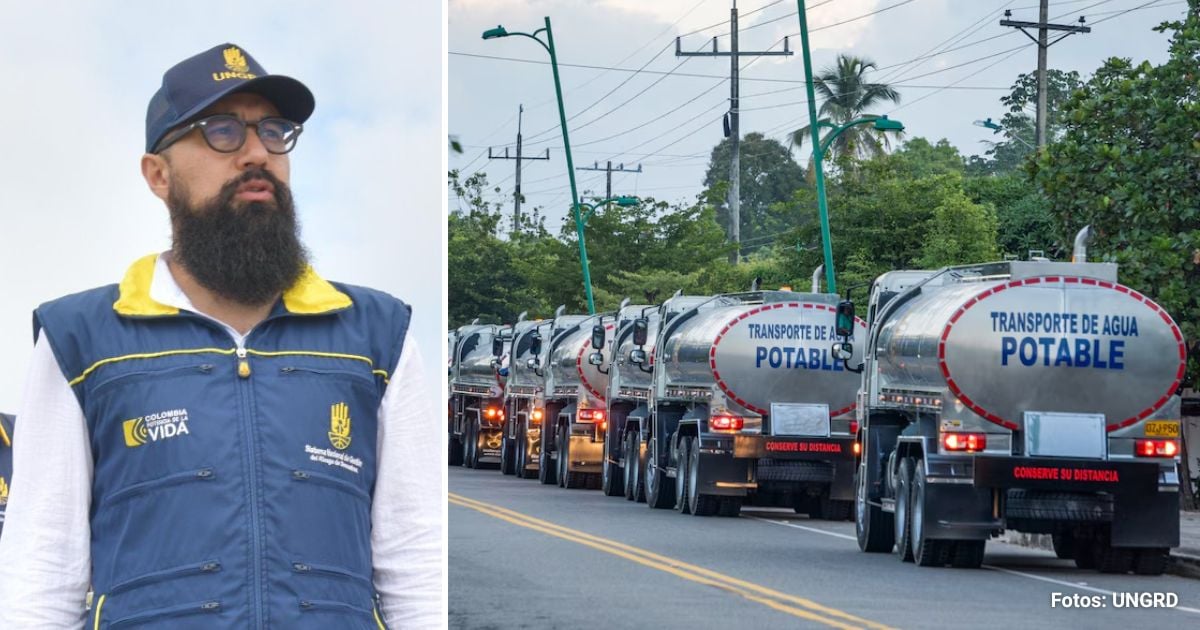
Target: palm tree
847	96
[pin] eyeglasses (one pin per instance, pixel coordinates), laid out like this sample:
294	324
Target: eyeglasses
226	133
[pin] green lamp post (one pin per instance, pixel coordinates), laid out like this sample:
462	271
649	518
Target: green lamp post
500	31
580	221
882	123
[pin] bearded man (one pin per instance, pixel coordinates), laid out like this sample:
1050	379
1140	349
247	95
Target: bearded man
224	439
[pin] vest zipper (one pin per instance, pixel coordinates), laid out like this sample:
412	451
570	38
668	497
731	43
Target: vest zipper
203	474
210	566
194	608
315	605
251	465
333	482
325	569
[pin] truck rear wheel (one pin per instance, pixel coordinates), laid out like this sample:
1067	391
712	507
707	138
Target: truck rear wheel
730	506
522	454
872	526
901	520
704	504
1064	545
455	455
681	470
547	471
968	554
472	458
610	473
1109	559
1151	561
927	552
566	477
659	488
506	455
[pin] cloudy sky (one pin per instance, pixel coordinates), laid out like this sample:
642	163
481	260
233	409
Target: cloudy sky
367	176
670	123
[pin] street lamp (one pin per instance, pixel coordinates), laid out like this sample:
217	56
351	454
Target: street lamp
881	123
581	220
997	128
500	31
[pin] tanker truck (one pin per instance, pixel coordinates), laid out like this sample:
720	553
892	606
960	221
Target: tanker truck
574	413
476	396
524	398
747	404
1033	396
628	396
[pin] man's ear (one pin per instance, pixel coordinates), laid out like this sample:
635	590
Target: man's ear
156	169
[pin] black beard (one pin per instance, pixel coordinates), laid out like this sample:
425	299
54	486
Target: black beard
248	253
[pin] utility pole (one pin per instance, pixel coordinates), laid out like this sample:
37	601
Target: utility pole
1042	40
735	166
609	169
516	220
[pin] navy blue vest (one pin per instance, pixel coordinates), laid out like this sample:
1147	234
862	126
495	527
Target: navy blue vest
232	486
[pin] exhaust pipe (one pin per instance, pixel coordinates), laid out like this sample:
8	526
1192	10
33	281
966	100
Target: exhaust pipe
1081	242
816	283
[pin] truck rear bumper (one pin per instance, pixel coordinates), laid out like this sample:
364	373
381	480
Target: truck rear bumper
733	467
1125	497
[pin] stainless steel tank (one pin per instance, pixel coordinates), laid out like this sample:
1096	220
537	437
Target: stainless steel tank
473	364
631	375
569	359
1058	343
758	354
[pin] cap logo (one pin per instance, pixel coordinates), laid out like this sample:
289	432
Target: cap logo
236	62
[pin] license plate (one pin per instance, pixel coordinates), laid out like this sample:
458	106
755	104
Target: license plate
1167	428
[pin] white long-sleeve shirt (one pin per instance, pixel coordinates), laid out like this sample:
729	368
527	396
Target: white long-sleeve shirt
45	553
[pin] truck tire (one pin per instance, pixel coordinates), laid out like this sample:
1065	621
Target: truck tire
1109	559
1058	506
454	456
1152	561
660	489
968	554
901	520
521	449
506	454
1064	545
927	552
872	526
566	477
1084	558
547	469
681	470
704	504
472	458
730	506
610	473
634	469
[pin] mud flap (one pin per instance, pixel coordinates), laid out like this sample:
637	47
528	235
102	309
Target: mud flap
1146	520
958	511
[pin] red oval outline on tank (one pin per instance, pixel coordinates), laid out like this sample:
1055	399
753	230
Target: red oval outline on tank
579	367
712	353
1120	288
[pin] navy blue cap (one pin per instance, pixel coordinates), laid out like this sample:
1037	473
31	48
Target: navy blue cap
199	81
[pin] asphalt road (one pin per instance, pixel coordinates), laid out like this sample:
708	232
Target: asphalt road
524	555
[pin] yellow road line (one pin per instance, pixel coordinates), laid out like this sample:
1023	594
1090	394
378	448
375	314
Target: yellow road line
811	610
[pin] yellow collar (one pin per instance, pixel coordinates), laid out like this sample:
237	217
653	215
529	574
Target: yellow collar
310	295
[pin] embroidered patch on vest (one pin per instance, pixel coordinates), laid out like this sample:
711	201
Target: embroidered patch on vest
339	426
155	427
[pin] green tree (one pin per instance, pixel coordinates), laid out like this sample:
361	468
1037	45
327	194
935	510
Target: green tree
846	94
1126	164
1019	123
768	175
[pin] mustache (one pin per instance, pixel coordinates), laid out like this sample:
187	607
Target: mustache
282	194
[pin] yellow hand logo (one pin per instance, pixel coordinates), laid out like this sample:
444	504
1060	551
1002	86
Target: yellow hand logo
339	425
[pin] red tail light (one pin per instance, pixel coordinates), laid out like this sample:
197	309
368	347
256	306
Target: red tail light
726	423
857	449
1156	448
591	415
964	442
854	427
